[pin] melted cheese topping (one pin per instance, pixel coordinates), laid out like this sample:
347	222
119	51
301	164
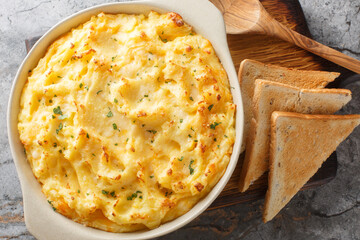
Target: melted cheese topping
127	121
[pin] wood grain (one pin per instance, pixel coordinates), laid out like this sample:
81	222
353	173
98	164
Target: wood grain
271	50
274	51
250	17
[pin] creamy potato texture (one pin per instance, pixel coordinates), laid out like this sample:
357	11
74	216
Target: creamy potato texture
127	121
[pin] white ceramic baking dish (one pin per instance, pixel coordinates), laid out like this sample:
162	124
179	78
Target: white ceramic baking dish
40	219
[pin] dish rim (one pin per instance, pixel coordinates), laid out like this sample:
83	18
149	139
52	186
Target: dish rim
35	201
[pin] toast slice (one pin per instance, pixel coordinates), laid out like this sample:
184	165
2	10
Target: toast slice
300	143
272	96
251	70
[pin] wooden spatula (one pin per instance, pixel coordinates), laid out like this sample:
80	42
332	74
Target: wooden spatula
249	16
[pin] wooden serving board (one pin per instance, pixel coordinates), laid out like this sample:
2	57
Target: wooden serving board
273	51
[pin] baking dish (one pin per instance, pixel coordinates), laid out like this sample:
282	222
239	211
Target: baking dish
40	219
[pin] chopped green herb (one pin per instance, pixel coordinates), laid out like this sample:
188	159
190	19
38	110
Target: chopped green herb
191	98
146	95
218	146
152	176
225	136
72	136
195	140
116	144
194	70
213	125
112	193
192	129
127	139
110	114
113	58
87	88
98	92
57	110
87	135
114	126
59	128
134	195
190	168
115	100
151	131
181	120
81	85
60	151
78	190
140	197
189	136
214	139
180	159
93	154
50	202
59	76
53	117
163	39
50	101
191	34
55	144
104	192
210	107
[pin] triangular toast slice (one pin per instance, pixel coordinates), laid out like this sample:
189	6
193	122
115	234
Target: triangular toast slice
300	143
251	70
272	96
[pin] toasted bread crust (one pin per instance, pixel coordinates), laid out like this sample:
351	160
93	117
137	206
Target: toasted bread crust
250	70
272	96
293	163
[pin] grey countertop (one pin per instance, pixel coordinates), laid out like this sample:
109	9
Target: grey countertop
331	211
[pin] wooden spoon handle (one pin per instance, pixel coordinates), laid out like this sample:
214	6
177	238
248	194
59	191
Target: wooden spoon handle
274	28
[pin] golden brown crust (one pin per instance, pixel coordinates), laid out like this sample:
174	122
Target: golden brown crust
300	143
250	70
273	96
